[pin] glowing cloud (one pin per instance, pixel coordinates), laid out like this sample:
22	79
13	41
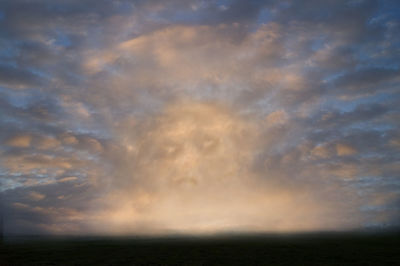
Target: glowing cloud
192	170
146	117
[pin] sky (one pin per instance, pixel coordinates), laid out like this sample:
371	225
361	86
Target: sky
199	117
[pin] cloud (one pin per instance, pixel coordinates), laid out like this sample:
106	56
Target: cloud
18	78
277	117
191	170
320	151
35	196
20	141
67	179
48	143
343	150
198	116
368	80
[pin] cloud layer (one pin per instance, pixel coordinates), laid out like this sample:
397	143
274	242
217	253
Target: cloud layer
148	117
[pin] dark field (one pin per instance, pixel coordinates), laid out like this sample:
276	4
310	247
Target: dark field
300	249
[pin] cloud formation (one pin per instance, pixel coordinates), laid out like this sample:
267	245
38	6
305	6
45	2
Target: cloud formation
199	116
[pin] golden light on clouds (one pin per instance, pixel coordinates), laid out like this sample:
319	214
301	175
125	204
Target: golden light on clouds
191	171
20	141
158	117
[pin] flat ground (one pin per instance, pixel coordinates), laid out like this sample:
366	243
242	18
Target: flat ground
304	249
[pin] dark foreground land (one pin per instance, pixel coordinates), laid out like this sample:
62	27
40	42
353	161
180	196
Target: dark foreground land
304	249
